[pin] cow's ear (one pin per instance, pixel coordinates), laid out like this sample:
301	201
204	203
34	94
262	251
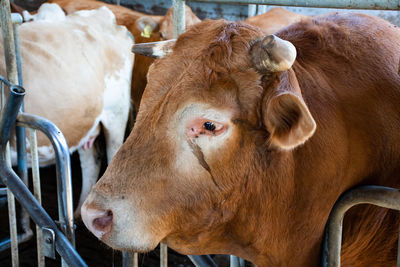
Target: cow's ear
147	25
286	115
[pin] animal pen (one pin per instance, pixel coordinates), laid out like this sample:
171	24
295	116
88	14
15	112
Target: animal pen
60	237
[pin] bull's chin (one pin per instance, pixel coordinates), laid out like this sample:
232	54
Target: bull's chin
128	245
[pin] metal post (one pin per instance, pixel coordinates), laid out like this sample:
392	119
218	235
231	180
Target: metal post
251	10
376	195
179	17
37	192
13	228
27	232
11	68
163	255
130	259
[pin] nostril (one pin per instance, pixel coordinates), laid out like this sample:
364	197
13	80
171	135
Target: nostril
101	223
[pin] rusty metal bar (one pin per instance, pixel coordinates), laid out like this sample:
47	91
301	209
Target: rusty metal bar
340	4
375	195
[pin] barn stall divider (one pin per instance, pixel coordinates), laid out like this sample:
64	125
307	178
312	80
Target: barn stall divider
374	195
49	237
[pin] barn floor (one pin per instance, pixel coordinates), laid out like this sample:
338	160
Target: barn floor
92	251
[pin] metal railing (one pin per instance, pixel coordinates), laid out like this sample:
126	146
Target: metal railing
49	237
375	195
54	238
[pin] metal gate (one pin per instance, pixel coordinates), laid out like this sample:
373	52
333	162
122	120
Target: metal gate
49	237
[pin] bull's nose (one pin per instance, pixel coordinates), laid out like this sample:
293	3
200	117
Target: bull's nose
98	222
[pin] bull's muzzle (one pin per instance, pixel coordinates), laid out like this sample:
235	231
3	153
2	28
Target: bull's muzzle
99	222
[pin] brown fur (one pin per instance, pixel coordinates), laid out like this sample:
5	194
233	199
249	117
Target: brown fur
271	205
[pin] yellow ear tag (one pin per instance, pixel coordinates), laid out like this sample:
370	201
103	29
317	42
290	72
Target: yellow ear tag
146	33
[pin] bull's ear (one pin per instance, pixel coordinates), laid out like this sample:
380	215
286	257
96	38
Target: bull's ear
286	116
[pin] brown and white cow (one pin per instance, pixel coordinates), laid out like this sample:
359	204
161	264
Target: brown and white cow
77	72
157	27
243	143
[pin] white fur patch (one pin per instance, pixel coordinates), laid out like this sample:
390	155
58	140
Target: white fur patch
46	12
186	161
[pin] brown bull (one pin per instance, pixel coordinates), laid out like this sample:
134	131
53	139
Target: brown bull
241	147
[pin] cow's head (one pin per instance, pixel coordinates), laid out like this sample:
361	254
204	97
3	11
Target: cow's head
215	114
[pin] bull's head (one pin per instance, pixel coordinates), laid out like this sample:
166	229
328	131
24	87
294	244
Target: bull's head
204	167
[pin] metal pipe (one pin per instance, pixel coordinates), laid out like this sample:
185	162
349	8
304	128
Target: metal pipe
11	107
376	195
8	41
163	255
202	261
12	218
179	17
64	183
21	138
130	259
37	192
341	4
11	69
12	181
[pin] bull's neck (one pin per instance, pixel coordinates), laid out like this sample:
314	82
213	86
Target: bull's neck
284	218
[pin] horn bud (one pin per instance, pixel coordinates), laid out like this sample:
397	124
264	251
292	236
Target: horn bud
154	49
272	54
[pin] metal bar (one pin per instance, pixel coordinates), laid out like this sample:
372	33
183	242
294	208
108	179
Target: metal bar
163	255
251	11
12	181
376	195
236	261
10	107
64	183
13	228
8	42
340	4
27	232
37	192
11	69
130	259
179	17
17	20
202	261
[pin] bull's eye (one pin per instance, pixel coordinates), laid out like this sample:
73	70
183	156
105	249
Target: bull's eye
209	126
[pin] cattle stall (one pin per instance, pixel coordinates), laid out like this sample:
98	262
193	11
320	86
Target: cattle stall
379	196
